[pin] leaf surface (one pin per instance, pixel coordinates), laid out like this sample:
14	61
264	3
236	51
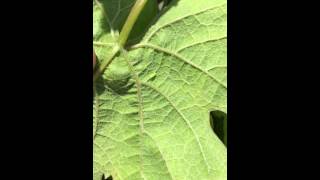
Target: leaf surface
152	104
108	19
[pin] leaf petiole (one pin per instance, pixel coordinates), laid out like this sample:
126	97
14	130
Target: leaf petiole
105	64
124	34
132	18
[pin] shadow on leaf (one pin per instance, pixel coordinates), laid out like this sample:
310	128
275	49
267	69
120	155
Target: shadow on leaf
218	121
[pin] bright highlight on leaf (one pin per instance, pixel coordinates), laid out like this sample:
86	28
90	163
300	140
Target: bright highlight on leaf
153	100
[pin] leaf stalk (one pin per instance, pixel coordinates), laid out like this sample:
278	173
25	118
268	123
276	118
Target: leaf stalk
132	18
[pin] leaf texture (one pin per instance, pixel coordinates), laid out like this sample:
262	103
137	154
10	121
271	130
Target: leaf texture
152	104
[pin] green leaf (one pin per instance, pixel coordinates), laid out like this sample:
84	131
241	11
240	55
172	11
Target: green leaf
109	17
152	105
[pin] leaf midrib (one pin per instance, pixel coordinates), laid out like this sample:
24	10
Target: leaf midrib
140	102
139	83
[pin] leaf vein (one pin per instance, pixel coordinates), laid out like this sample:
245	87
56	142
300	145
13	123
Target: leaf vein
179	57
140	102
183	117
198	43
179	19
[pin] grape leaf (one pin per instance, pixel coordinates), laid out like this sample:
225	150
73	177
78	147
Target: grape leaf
152	104
108	19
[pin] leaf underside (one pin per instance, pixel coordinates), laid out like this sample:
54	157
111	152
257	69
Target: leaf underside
152	104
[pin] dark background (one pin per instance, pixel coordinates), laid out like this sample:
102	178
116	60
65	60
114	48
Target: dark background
46	76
